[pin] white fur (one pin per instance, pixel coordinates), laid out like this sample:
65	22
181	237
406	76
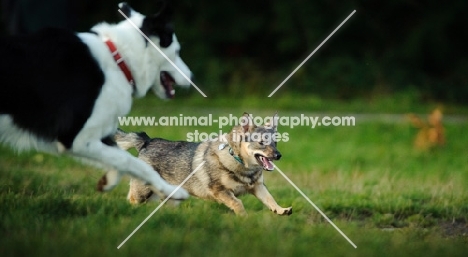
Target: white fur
22	140
148	64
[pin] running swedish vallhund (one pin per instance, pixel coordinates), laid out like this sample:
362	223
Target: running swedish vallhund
63	91
230	168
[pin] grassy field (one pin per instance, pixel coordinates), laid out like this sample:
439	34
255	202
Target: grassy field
387	197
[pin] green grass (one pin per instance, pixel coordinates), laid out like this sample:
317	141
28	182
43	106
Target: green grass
402	103
388	198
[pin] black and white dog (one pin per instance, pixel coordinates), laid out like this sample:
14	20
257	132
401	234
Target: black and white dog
63	91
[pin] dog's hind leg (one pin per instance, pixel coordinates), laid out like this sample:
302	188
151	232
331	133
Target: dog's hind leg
109	180
139	192
261	192
124	162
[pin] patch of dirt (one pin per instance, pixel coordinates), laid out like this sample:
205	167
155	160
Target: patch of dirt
454	229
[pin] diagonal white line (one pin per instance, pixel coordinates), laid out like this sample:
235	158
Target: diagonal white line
160	205
161	52
310	55
315	206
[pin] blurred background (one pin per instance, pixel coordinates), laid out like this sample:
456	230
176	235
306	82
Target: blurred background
236	48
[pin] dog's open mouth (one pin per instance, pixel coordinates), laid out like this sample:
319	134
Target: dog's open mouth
167	81
265	162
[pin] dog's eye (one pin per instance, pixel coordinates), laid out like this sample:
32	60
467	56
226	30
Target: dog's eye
261	143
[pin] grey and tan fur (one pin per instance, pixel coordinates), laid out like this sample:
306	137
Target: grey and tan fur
221	177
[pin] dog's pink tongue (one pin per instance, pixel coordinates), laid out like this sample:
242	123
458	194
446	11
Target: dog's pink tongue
168	83
267	164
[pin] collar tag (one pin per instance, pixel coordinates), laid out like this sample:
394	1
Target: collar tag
221	146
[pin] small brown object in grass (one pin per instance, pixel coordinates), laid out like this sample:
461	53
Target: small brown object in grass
431	132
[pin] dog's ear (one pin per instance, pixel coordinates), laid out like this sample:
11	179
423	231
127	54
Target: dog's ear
126	9
247	123
166	10
160	24
273	122
435	118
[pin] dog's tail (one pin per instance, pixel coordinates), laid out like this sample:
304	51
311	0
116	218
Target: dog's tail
128	140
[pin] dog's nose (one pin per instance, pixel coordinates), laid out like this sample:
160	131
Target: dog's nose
277	155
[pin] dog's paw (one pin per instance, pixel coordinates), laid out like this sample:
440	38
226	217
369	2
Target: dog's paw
109	181
174	202
287	211
180	194
133	200
240	212
284	211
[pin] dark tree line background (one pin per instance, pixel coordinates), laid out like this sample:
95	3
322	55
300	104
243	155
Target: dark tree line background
248	47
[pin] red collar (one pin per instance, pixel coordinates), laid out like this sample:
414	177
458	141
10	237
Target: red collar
121	63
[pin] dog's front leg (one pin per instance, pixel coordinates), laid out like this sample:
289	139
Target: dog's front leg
231	201
109	180
124	162
261	192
